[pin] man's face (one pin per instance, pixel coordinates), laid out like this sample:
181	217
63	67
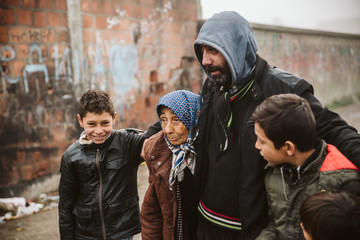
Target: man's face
97	126
215	65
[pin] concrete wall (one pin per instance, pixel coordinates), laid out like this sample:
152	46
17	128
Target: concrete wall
330	61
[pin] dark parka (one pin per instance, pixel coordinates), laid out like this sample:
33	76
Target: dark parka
161	207
269	81
98	188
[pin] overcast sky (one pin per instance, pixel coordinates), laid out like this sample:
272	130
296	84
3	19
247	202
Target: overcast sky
328	15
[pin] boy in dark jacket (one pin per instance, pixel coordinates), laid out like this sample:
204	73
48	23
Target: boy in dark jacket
98	185
298	165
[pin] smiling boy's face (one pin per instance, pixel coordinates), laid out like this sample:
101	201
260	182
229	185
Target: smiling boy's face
97	126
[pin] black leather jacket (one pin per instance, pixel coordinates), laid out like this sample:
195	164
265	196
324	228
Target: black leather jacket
98	188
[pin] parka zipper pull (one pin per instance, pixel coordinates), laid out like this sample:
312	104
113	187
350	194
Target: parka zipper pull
298	171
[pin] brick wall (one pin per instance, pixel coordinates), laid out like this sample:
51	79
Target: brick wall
36	101
51	51
131	48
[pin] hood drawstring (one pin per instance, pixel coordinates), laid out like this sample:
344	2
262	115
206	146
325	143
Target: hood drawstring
283	182
283	179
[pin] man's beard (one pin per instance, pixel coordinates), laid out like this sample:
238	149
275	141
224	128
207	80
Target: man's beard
222	80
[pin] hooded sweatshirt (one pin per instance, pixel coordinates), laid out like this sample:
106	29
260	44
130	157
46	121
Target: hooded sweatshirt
231	35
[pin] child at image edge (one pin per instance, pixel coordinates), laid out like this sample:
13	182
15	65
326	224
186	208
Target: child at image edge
298	165
98	184
331	216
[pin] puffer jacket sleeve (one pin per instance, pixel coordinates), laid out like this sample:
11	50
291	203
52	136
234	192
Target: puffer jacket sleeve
151	216
270	232
68	189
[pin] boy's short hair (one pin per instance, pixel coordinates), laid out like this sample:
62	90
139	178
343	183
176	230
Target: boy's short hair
95	101
331	216
287	117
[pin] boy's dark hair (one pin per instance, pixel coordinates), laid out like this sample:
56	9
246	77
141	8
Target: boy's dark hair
286	117
95	101
330	216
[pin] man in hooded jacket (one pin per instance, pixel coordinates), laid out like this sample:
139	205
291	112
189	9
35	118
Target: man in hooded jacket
233	200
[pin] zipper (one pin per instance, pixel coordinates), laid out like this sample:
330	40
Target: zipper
298	172
179	217
100	195
283	182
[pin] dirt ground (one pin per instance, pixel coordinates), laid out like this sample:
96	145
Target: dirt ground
44	225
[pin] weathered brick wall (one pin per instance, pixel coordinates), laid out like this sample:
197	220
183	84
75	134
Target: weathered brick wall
131	48
134	48
36	100
51	51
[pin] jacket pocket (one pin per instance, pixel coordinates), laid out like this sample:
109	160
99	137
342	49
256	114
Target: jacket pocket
84	221
116	162
124	213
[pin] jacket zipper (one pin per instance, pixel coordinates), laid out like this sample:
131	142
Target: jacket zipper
100	195
180	218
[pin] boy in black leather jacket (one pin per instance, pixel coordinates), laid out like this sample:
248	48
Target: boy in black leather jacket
98	185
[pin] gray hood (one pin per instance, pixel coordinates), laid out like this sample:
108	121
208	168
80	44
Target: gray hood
232	36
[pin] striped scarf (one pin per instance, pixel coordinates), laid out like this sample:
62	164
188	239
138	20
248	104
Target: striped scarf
223	115
183	156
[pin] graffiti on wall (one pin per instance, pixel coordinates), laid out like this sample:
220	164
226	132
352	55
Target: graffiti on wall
122	73
6	59
123	62
37	65
34	67
109	64
63	67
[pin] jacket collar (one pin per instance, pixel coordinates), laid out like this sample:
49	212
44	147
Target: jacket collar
291	174
260	66
311	164
105	144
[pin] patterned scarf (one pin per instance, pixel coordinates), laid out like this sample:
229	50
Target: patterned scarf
223	115
186	106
